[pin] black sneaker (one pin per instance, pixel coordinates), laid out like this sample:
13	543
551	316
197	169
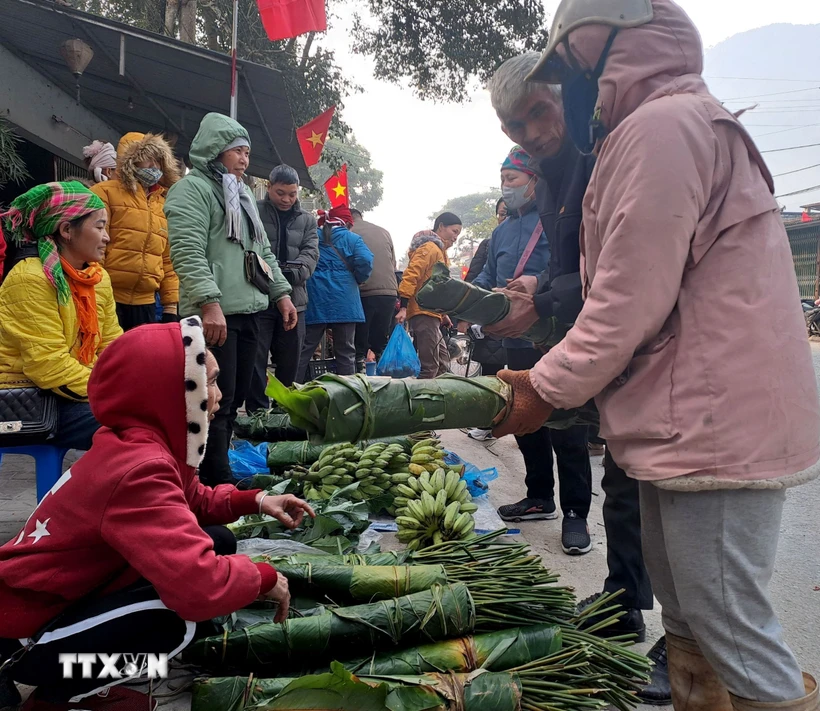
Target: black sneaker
629	623
657	692
529	510
575	538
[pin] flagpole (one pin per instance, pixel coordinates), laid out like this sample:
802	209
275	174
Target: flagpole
234	82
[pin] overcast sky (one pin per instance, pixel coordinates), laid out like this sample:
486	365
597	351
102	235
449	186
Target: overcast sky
433	152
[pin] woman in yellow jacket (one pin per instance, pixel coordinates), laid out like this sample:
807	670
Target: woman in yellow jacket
56	304
426	249
138	257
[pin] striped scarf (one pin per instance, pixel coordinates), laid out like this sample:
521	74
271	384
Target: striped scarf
36	215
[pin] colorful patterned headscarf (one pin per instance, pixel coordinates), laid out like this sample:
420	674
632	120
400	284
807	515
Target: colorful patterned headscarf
35	216
518	159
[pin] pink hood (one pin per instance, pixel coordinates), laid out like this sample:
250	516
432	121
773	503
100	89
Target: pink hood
692	338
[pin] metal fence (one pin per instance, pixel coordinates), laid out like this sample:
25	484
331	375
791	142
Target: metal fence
63	169
804	240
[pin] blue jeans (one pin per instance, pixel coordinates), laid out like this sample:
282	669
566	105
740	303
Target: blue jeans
75	425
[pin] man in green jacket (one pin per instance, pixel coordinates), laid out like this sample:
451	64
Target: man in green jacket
227	273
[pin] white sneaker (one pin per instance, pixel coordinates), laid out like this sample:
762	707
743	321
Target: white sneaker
480	435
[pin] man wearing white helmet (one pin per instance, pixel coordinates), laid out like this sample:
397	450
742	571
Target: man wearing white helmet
691	339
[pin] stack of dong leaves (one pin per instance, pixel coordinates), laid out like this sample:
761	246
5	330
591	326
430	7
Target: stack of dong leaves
476	625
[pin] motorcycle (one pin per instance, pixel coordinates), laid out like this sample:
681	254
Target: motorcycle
811	312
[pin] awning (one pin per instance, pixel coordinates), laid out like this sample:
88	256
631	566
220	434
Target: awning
141	81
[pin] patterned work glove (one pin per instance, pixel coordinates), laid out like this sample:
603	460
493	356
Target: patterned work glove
529	412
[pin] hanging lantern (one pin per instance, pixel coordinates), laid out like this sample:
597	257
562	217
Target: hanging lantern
77	55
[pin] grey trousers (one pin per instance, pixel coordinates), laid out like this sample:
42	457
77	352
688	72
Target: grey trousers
710	556
344	347
430	345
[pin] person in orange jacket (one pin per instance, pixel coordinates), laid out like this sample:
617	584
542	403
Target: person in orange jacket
138	257
426	249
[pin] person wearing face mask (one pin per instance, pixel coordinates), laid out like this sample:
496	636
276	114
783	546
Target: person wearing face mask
532	114
519	247
138	257
227	271
426	249
714	450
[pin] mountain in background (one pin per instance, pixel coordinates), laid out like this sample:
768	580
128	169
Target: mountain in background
778	68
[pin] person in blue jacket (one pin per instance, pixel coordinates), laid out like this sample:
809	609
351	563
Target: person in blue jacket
333	291
519	246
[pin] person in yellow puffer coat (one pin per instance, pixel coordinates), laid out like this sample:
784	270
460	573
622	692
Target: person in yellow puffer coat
138	258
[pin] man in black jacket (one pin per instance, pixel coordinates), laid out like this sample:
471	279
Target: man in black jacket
531	114
293	240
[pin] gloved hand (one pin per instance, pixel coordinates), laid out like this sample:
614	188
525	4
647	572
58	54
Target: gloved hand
529	412
521	317
476	331
168	317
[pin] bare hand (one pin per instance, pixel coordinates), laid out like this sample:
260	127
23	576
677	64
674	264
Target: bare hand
280	593
523	285
214	325
401	316
521	317
463	326
529	411
445	321
288	509
289	313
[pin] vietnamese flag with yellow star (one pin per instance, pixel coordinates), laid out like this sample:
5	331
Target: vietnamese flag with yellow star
313	136
336	188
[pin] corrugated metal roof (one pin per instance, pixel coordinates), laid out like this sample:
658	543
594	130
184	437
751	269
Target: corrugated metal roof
168	85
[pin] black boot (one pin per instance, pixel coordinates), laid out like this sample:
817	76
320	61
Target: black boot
658	691
629	623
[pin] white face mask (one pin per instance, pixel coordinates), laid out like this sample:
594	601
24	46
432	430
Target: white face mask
515	198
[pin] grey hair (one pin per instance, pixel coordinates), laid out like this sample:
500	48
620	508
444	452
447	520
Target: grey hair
509	85
284	174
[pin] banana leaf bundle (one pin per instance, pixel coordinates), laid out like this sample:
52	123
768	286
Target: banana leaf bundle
362	583
341	691
467	302
285	454
268	426
333	561
334	408
440	613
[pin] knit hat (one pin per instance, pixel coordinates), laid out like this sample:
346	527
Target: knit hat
337	217
518	159
236	143
35	215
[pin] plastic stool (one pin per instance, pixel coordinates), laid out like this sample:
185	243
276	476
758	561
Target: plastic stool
48	463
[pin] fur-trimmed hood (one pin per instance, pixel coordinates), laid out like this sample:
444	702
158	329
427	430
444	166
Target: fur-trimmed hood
134	148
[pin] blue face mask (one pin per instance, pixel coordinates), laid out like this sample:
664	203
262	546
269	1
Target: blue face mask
580	97
149	177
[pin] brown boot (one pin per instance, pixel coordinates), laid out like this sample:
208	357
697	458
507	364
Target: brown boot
695	685
810	702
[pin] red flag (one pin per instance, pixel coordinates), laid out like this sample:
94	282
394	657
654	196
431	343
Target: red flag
284	19
313	136
336	188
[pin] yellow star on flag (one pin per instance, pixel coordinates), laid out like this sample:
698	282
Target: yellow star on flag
315	139
339	189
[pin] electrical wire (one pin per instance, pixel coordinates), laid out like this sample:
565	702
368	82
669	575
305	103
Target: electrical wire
798	170
800	192
790	148
805	81
776	93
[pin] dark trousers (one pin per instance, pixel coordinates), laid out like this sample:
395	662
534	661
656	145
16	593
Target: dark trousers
284	348
106	625
622	521
236	359
133	316
571	453
378	323
75	425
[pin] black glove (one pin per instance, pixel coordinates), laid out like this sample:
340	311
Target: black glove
169	318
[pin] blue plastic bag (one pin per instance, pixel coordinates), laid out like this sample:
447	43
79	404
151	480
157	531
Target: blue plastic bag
399	359
477	480
246	459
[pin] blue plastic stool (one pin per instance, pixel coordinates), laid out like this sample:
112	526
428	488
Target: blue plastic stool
48	463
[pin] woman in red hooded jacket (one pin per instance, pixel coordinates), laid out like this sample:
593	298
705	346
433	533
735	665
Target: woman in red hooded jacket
126	553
